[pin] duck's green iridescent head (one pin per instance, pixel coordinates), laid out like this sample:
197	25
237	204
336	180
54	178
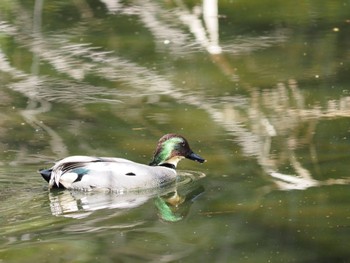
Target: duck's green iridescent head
171	149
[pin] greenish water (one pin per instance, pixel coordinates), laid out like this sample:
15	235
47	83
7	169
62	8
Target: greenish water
260	89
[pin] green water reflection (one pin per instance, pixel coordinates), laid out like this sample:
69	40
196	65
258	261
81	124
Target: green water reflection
260	89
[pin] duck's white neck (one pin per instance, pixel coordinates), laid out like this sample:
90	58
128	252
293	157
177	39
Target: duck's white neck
174	160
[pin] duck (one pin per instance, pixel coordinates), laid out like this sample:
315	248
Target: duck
88	173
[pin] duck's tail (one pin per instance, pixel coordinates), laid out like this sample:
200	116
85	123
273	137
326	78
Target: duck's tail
46	174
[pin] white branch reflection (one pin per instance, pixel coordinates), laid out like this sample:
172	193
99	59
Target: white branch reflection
256	130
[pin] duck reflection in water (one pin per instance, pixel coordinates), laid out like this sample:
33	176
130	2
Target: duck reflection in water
172	203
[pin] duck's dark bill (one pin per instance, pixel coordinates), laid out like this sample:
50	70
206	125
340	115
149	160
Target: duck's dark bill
195	157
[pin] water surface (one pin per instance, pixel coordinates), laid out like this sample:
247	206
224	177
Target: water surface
259	89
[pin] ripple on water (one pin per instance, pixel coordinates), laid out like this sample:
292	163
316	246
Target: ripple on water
188	176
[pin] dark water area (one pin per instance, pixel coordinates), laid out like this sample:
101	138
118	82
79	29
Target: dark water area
260	90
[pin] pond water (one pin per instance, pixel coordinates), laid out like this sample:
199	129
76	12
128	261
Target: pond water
261	89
